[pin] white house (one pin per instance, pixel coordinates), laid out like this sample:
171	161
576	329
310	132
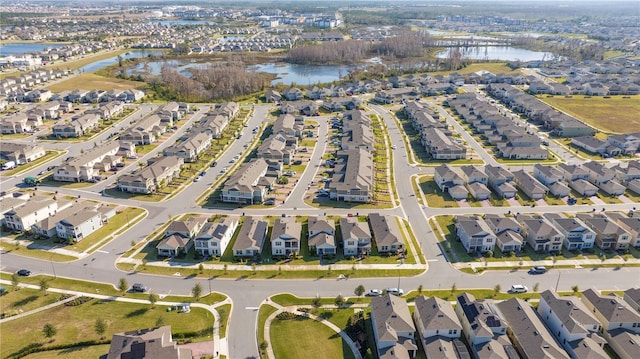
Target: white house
214	237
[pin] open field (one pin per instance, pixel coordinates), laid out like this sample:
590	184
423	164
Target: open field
24	299
91	351
494	67
76	324
313	340
615	114
91	81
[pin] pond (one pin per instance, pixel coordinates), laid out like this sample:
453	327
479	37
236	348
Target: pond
133	54
502	53
23	48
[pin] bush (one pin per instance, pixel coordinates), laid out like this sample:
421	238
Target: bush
286	316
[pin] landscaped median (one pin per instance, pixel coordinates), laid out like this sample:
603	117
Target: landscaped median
76	330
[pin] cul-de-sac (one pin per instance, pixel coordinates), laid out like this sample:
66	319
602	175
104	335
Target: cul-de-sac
284	180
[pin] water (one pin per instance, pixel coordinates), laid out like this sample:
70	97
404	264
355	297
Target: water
501	53
95	66
302	74
23	48
154	67
183	22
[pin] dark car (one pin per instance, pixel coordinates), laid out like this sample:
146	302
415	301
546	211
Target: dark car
139	287
538	270
24	272
214	164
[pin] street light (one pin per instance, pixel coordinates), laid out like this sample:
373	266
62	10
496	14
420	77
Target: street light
52	267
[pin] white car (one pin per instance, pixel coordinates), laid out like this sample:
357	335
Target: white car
393	147
373	293
518	288
395	291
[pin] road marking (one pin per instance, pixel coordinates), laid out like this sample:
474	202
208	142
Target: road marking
252	308
101	251
432	260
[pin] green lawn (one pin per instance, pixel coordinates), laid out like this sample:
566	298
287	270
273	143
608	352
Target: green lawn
75	324
434	196
92	351
24	299
313	340
263	313
224	311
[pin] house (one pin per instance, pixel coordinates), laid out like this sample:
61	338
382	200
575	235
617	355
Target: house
188	228
321	236
440	145
356	236
249	184
190	148
285	237
79	225
386	233
146	343
577	235
151	177
251	238
474	174
174	245
552	178
214	237
47	226
528	333
438	328
450	182
632	297
278	148
77	127
272	96
540	234
288	126
484	328
21	152
629	224
573	325
627	143
147	130
474	234
22	218
352	180
293	94
623	342
507	230
393	329
529	185
499	181
609	234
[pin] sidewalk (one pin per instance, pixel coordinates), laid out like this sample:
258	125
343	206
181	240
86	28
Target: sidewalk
577	263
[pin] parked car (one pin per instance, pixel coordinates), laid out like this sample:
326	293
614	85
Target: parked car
538	270
518	288
139	287
393	147
373	293
24	272
395	291
269	202
215	163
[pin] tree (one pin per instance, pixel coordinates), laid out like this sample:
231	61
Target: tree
49	331
536	286
196	291
153	299
359	291
100	327
339	301
225	269
316	302
123	285
263	346
201	268
453	287
575	289
159	321
44	285
420	288
496	289
15	280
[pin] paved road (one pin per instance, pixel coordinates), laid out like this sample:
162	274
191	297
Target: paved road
248	294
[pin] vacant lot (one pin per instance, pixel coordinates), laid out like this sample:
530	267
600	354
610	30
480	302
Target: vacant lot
615	114
91	81
313	340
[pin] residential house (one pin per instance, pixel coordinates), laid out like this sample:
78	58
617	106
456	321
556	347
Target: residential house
474	234
179	237
214	237
285	237
147	343
528	333
47	226
393	329
79	225
435	317
36	209
151	177
507	231
441	147
251	238
18	123
627	143
249	184
190	148
577	235
88	165
529	185
449	181
278	148
288	125
573	325
632	297
293	94
20	152
146	131
386	233
484	328
500	181
272	96
552	178
629	224
540	234
321	236
356	236
609	234
594	145
77	127
352	180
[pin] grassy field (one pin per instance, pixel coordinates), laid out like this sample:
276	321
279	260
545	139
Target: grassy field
92	351
494	67
75	323
91	81
24	299
615	114
313	340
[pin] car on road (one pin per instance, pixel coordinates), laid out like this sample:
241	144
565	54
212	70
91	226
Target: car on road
24	272
374	293
538	270
518	288
215	163
269	202
139	287
393	147
197	179
223	170
395	291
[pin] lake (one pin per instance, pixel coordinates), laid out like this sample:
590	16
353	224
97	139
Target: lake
133	54
23	48
502	53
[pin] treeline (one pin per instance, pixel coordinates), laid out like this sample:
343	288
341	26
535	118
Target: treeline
405	45
217	82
